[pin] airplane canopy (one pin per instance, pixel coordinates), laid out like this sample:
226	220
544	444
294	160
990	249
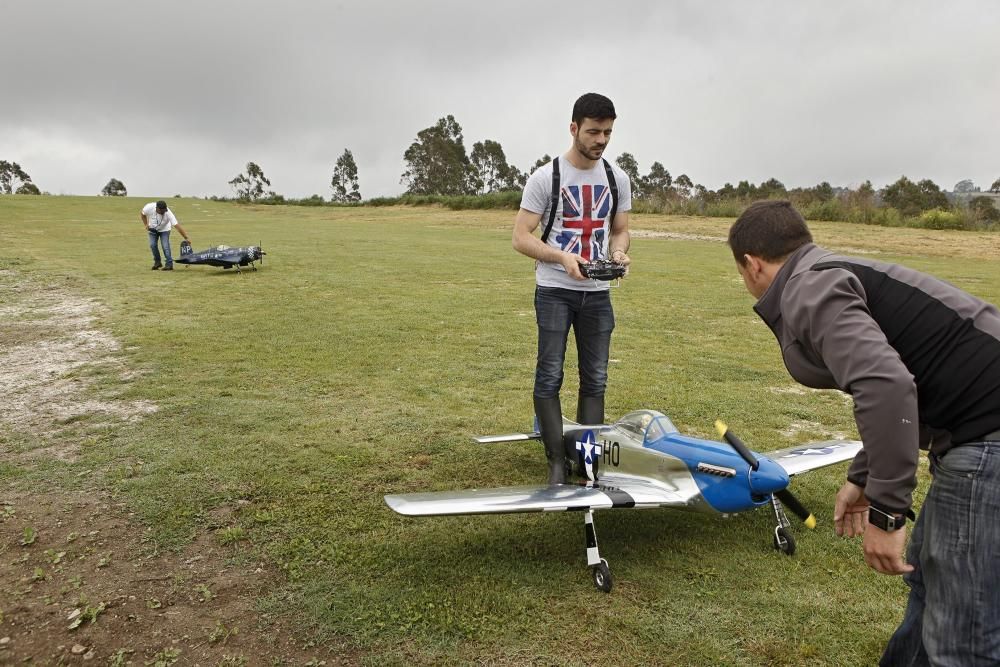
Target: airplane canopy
648	425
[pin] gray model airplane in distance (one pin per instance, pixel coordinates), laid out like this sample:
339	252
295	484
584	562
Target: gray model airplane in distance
222	255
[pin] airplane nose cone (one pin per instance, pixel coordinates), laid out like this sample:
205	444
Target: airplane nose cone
768	478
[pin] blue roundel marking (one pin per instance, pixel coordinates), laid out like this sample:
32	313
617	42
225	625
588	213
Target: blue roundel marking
590	451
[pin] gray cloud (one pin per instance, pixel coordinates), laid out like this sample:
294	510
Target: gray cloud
177	98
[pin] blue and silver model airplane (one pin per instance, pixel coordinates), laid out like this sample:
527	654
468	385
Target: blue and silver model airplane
222	255
642	461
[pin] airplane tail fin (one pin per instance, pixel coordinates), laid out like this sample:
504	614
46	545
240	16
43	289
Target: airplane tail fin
186	248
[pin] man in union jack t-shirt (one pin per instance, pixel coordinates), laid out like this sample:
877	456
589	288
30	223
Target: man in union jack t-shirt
588	225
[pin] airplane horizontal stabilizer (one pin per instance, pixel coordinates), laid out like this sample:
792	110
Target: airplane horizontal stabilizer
508	437
568	425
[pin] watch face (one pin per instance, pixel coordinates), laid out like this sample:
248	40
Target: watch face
886	522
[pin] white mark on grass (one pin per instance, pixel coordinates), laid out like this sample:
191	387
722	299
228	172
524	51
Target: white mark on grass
859	251
49	370
799	390
677	236
797	427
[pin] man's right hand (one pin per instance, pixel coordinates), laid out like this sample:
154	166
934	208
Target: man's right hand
572	264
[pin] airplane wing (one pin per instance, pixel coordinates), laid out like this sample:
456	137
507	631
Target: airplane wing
621	493
812	455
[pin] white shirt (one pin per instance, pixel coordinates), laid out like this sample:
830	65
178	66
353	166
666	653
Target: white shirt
158	222
582	225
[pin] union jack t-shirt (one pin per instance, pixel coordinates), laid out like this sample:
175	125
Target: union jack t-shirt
582	225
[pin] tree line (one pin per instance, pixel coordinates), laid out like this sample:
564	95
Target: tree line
437	165
439	169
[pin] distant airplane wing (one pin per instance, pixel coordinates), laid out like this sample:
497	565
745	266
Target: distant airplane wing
812	455
192	259
619	493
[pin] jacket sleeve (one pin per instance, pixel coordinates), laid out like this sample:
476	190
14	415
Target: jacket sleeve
857	473
827	313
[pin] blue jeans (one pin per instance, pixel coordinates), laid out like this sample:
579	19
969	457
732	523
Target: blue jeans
953	614
592	318
164	238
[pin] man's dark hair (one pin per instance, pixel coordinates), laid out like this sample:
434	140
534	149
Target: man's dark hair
161	205
771	230
593	105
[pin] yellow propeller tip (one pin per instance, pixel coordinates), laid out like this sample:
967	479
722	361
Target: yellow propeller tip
810	521
721	428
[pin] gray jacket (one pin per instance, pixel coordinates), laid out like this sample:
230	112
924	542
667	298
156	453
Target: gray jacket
920	357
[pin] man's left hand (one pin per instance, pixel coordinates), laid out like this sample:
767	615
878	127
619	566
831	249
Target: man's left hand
621	257
884	551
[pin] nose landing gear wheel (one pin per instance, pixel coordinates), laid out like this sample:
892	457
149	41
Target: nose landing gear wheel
783	541
602	576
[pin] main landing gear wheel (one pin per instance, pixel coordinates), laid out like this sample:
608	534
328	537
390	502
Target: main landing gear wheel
783	541
602	576
598	566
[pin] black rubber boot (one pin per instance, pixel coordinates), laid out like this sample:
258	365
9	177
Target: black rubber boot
590	410
549	414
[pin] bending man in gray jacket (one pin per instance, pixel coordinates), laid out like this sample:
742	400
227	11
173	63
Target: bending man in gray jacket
921	359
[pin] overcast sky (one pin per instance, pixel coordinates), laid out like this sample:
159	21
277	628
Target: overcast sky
176	97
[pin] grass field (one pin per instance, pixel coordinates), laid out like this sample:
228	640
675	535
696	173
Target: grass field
359	360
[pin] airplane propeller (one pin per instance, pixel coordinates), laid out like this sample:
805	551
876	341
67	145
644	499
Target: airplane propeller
784	495
737	444
792	503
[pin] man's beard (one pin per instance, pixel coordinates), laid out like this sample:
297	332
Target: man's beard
589	154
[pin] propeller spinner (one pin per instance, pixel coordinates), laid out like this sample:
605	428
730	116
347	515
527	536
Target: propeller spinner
784	495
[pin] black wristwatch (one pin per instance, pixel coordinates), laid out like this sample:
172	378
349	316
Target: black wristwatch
885	521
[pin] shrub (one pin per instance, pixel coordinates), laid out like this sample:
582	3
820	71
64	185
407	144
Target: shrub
885	217
315	200
984	210
509	199
727	208
383	201
830	209
937	218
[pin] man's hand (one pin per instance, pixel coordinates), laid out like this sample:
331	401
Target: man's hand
621	257
572	264
883	551
850	511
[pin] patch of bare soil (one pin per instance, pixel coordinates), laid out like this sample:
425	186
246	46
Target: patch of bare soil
81	583
80	579
50	350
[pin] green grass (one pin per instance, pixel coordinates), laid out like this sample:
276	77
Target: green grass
358	362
